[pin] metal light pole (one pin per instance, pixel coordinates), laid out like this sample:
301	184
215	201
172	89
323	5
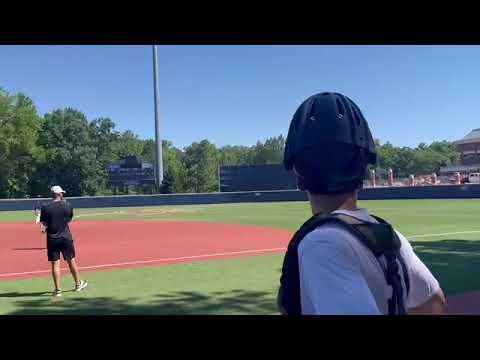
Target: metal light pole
158	139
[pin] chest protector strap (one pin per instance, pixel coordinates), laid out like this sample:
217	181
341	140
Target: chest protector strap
379	238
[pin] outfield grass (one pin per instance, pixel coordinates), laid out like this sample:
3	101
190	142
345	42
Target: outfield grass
445	234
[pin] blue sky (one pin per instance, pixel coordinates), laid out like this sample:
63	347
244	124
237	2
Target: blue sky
241	94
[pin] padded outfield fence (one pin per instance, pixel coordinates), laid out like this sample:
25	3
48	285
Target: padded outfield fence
419	192
255	178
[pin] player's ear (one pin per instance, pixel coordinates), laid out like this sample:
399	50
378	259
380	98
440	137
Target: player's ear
301	184
299	180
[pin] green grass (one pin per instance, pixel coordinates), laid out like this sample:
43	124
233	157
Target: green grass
246	285
284	215
242	286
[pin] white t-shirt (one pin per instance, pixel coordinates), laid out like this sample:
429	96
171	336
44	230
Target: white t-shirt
339	275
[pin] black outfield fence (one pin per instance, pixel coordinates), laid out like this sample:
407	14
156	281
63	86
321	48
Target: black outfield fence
163	199
418	192
256	178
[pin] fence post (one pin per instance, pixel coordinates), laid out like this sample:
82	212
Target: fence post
458	178
372	178
390	177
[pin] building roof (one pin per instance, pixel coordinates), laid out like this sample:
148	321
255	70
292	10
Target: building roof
472	137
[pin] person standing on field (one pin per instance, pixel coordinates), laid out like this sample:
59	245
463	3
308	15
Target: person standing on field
343	260
55	217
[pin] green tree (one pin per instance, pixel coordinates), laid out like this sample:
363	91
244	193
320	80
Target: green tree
447	149
386	156
71	154
168	183
235	155
19	152
201	167
428	160
104	138
129	144
424	159
148	151
270	152
173	165
173	169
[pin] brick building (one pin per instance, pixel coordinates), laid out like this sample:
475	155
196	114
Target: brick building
469	150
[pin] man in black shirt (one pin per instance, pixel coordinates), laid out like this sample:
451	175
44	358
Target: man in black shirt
55	216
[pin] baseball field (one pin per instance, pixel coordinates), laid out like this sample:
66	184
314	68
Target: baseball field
210	259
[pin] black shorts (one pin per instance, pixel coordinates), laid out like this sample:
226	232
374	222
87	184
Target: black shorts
64	246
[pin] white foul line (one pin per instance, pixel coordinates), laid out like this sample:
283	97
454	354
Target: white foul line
149	261
206	256
443	234
99	214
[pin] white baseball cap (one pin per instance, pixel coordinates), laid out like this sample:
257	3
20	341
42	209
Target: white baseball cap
57	189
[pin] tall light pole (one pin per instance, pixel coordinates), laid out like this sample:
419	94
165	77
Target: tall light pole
158	139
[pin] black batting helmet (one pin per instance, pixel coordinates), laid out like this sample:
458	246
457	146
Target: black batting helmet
329	144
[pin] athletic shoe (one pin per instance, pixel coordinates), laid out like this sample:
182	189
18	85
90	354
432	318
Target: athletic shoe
57	293
83	284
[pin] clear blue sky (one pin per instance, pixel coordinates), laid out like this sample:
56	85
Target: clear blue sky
241	94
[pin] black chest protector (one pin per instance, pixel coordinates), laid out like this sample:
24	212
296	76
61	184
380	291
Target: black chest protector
379	238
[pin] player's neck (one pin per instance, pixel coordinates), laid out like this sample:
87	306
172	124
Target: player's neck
325	204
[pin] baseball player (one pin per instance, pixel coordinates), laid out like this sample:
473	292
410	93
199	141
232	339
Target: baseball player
343	260
55	216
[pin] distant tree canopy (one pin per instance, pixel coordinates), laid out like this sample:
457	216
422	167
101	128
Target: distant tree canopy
64	147
424	159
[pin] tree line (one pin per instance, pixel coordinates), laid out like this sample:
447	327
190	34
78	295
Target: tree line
65	147
422	160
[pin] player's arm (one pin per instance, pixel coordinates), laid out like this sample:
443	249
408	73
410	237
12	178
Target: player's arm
37	217
433	306
43	219
425	297
331	282
36	212
70	212
43	216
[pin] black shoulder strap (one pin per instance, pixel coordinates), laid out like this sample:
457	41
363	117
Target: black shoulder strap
379	238
382	239
399	257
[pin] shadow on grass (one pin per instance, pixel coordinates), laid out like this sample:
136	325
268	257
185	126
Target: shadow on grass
177	303
16	294
19	295
454	262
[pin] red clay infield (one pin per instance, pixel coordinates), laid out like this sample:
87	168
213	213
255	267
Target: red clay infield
121	244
